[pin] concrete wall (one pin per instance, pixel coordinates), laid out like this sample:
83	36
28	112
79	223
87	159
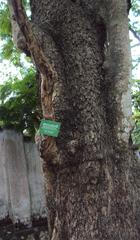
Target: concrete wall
22	194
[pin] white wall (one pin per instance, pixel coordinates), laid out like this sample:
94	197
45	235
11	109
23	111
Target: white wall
22	194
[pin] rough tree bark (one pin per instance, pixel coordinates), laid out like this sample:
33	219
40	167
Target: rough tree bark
90	187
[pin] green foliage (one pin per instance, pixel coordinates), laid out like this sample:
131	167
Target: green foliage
8	51
136	94
136	7
136	133
135	30
19	107
136	110
5	25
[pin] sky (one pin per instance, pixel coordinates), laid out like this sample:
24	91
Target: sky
135	52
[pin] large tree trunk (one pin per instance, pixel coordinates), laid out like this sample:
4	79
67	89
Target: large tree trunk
89	183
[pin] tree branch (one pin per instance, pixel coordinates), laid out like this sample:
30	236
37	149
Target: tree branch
129	5
136	35
18	38
43	66
136	45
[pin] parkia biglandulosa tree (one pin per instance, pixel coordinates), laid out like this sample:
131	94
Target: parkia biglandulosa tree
81	51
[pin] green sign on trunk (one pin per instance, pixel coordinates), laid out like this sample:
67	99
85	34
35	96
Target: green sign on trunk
49	128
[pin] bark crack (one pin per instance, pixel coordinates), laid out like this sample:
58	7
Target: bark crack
48	76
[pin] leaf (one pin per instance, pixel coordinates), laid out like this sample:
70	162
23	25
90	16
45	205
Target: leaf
5	24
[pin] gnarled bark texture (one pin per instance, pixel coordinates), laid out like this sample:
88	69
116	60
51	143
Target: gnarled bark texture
89	182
